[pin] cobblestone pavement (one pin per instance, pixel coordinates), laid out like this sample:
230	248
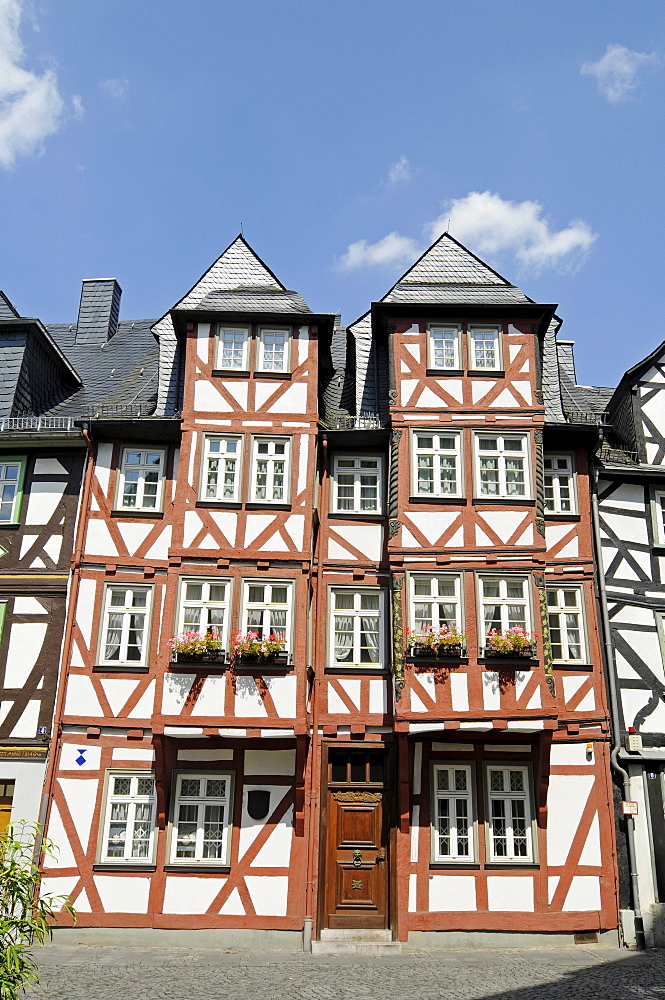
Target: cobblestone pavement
89	972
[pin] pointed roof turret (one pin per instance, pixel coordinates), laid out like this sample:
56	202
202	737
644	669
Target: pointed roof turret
239	281
449	273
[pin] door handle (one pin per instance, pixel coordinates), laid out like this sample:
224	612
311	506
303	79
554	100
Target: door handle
381	857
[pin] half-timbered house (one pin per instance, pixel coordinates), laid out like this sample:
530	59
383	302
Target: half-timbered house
51	377
332	488
631	501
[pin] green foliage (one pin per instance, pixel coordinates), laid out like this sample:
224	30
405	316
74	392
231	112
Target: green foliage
26	918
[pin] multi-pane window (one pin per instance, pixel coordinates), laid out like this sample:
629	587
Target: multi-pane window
437	464
141	479
203	606
357	637
273	351
232	348
267	609
435	601
221	467
484	353
129	819
11	480
357	484
564	605
201	818
505	603
270	470
502	465
444	347
453	813
559	492
125	625
659	517
508	814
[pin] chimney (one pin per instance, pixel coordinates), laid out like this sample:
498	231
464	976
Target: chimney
98	311
566	356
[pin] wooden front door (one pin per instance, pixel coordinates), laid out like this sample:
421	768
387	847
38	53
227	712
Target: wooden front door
356	835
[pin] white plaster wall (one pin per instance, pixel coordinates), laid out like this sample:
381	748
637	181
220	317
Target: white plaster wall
29	778
268	894
250	828
510	892
43	501
452	892
190	895
270	762
122	893
567	796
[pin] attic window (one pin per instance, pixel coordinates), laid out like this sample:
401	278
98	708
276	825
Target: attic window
232	348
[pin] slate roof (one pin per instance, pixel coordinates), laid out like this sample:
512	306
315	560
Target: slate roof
238	281
99	310
7	310
253	300
449	273
120	370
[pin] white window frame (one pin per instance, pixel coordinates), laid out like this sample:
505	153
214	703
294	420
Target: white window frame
144	469
504	601
271	458
265	366
224	457
125	610
200	802
498	352
357	473
453	796
658	509
265	607
452	333
503	456
561	609
132	799
438	452
556	475
243	361
416	579
509	797
356	614
8	463
206	604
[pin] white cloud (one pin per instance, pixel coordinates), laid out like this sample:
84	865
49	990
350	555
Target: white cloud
401	170
392	249
616	71
117	88
490	226
31	107
77	106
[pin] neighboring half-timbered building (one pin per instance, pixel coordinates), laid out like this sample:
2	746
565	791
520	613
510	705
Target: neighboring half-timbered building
631	499
330	488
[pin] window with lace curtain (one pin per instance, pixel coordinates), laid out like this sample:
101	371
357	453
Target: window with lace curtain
201	818
357	638
126	616
128	825
509	814
267	609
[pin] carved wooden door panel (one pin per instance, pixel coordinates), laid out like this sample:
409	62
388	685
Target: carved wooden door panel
356	870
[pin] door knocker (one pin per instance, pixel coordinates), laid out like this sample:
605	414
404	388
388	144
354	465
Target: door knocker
357	859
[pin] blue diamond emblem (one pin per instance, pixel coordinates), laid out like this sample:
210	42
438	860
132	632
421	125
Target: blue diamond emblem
81	757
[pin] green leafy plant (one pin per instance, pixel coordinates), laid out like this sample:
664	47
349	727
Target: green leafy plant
254	644
195	643
434	637
26	917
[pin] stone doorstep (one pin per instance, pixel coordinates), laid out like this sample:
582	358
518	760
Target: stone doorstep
356	942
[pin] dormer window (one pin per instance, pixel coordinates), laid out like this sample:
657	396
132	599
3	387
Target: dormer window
444	347
484	348
232	348
273	357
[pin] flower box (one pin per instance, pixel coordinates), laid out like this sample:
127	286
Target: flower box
444	651
215	656
518	659
280	659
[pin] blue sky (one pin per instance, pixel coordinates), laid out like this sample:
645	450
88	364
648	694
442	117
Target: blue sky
137	137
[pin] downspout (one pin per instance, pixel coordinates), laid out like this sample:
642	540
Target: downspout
610	676
318	659
77	553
